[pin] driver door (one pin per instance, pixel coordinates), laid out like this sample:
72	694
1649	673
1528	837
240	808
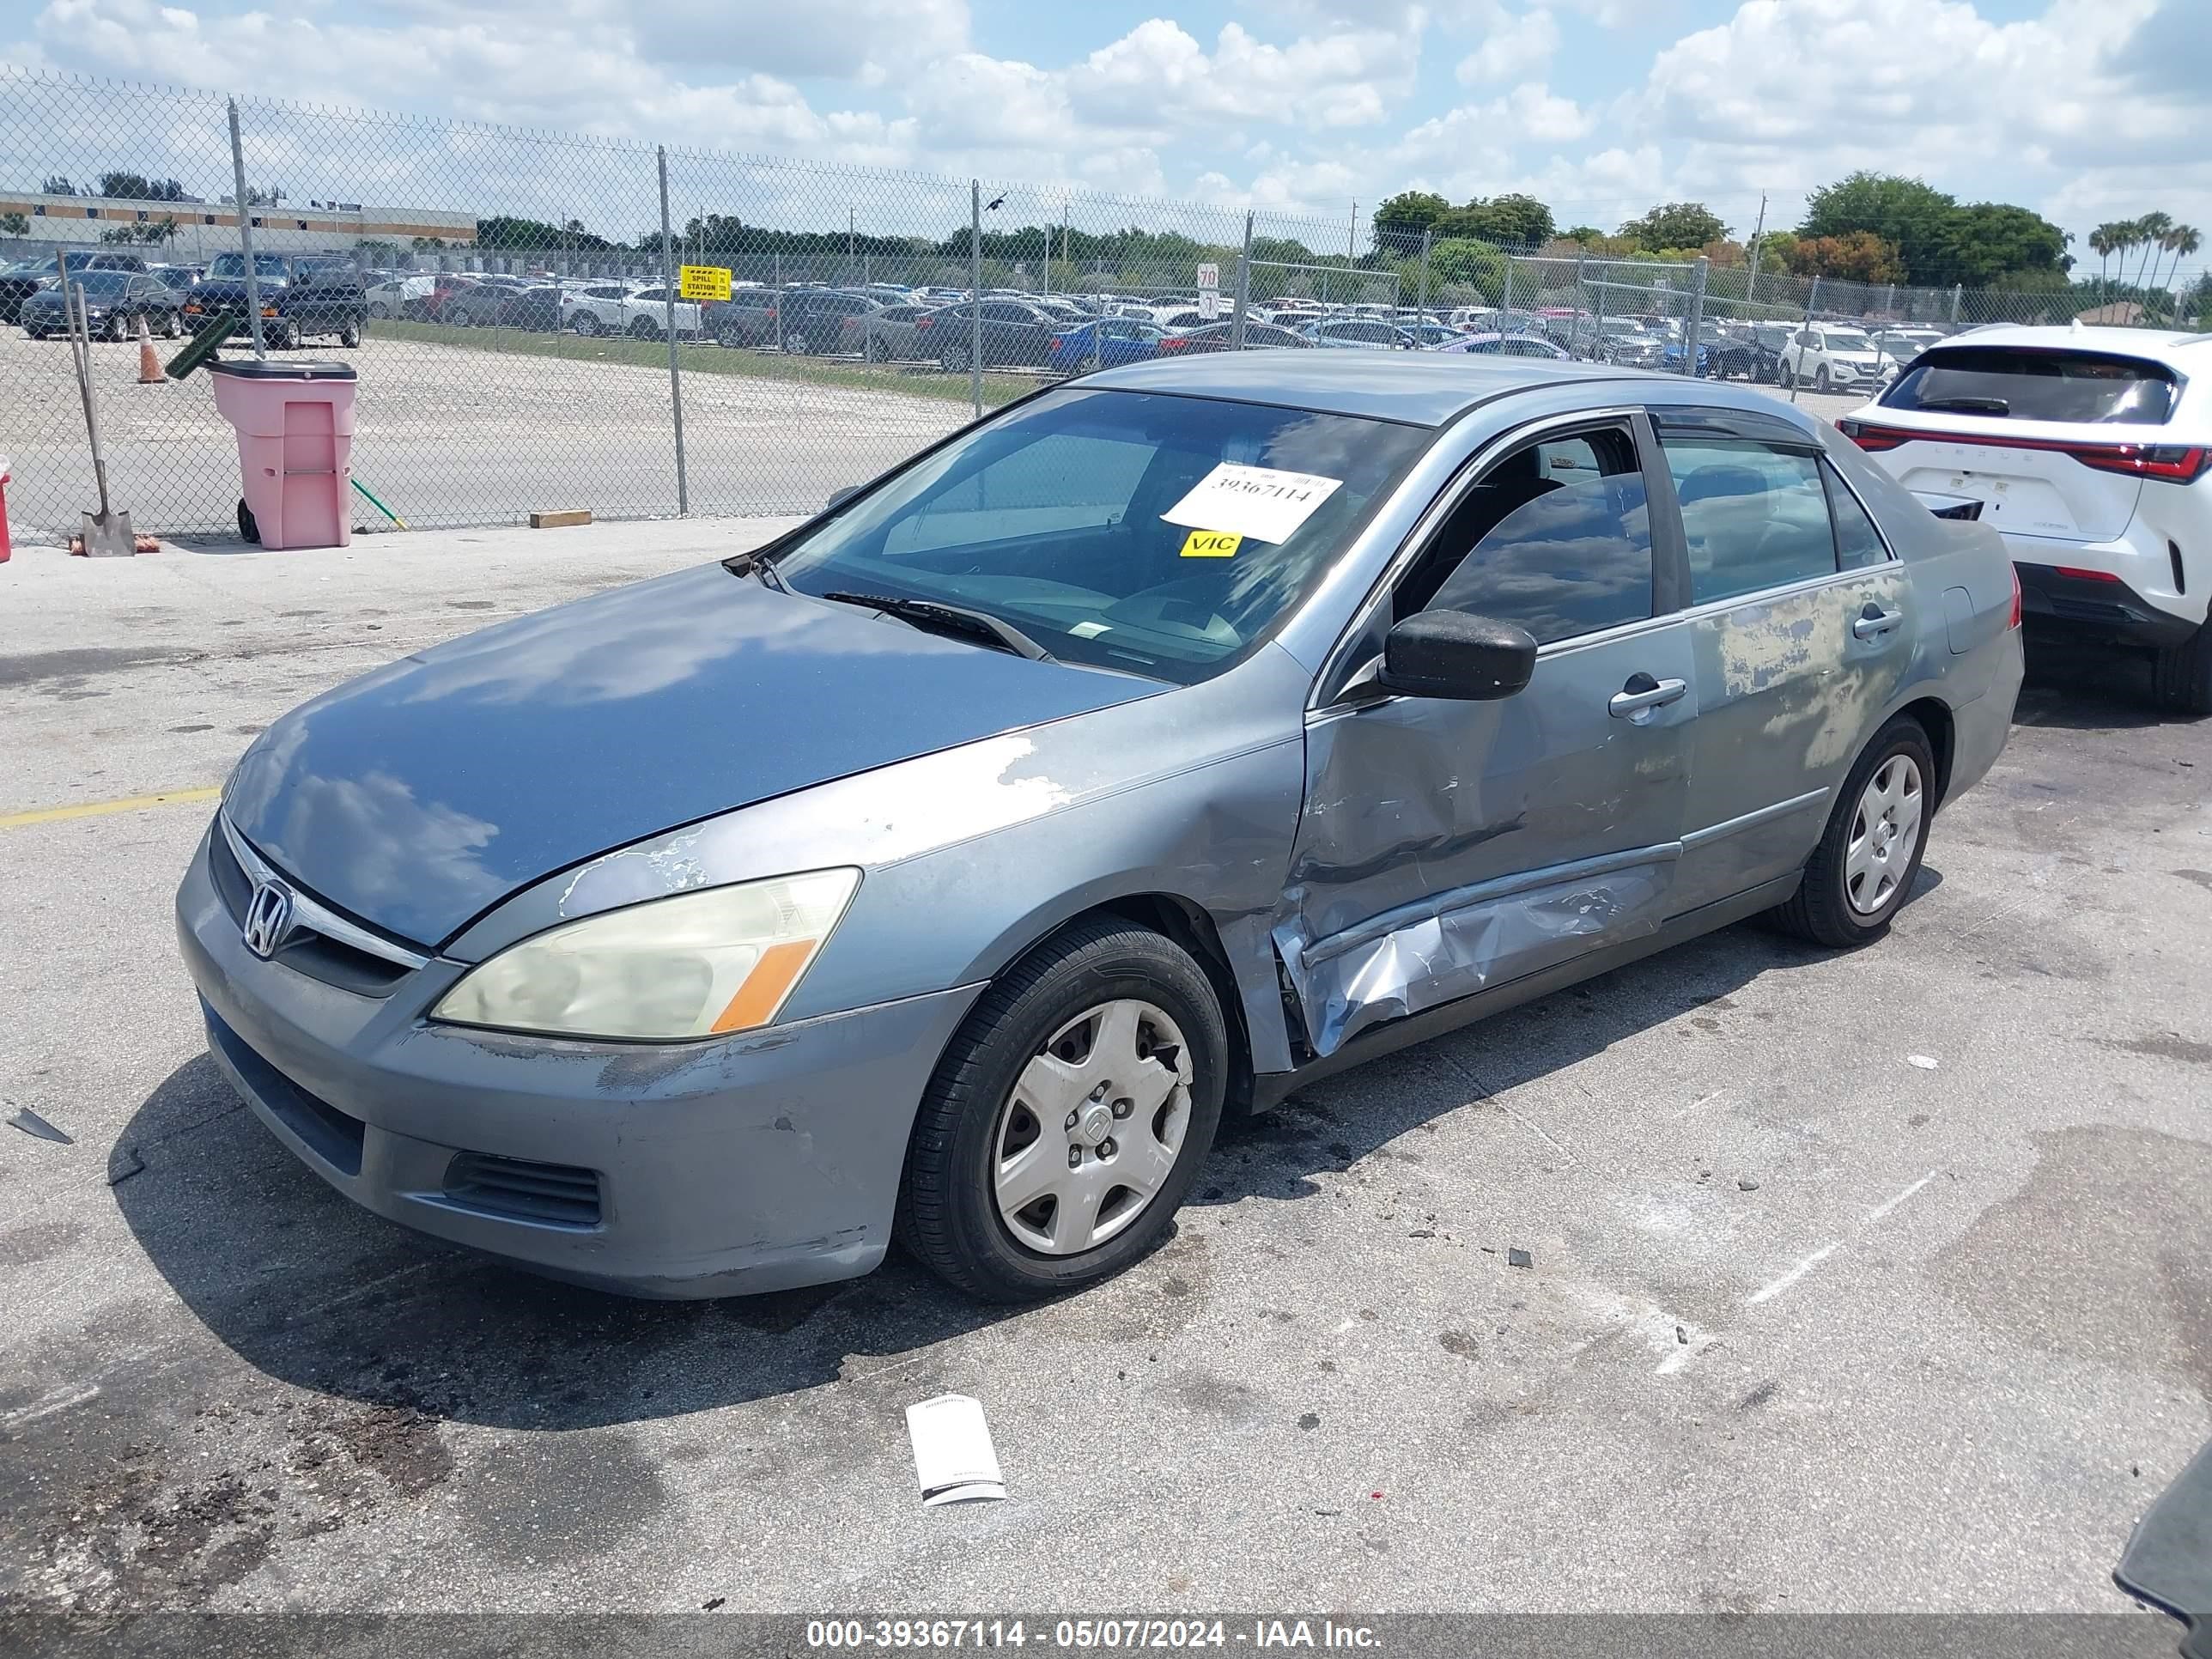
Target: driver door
1446	848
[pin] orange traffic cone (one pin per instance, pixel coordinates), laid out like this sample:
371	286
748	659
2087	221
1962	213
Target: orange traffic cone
149	365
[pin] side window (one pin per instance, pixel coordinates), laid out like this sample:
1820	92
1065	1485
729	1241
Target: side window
1556	537
1754	516
1858	543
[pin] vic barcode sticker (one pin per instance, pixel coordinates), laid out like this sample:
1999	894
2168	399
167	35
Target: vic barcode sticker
1259	501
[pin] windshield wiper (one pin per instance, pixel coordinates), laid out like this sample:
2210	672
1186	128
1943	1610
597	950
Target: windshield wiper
1964	405
978	625
755	561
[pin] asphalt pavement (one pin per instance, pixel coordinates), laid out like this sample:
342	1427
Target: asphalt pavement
1878	1281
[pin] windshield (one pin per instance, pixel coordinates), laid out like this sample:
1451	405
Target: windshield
2036	385
1848	339
1080	519
98	283
233	265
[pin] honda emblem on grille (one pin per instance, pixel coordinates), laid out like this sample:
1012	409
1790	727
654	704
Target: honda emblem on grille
268	918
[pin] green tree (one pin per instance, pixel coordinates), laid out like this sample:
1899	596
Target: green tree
14	224
1464	260
1676	225
1978	244
1906	213
56	184
1583	233
1400	222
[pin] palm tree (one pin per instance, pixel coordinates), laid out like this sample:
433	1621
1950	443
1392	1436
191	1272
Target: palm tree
2179	240
2147	230
2104	242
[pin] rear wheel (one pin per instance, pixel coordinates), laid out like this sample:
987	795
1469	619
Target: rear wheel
643	329
1068	1117
1859	878
587	323
379	311
954	357
2182	675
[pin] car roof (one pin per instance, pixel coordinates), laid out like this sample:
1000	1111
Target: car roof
2159	345
1422	388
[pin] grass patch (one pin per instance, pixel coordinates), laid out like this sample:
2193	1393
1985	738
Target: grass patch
708	359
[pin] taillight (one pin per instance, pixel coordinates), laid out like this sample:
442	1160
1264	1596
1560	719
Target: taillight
920	323
1057	342
1173	343
2015	621
2171	462
2182	463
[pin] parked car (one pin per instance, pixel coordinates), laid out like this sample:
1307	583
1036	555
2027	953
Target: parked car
391	296
615	308
1221	336
1359	334
482	302
536	308
20	280
1509	345
1832	357
1902	345
1749	352
176	278
2088	449
1016	334
447	289
747	318
814	319
114	300
1049	867
303	297
886	335
1106	343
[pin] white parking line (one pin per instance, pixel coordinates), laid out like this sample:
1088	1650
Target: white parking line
1883	1209
1775	1287
48	1406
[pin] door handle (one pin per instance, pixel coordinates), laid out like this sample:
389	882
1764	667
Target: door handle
1874	623
1643	694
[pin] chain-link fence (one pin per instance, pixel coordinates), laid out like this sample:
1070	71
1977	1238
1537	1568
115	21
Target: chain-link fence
543	320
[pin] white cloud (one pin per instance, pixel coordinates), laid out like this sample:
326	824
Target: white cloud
1516	46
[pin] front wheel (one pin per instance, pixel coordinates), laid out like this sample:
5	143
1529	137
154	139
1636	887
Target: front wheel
172	326
1859	878
643	329
1784	376
586	325
1821	381
2182	676
954	359
1068	1120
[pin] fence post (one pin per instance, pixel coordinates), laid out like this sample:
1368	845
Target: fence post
1582	299
1505	299
779	303
668	300
1693	324
1428	235
975	294
244	235
1958	293
1244	289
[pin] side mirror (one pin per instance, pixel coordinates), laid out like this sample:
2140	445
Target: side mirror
839	497
1450	654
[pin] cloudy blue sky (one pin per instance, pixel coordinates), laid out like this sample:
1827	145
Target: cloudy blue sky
2084	109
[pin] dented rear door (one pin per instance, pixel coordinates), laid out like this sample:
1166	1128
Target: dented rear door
1802	637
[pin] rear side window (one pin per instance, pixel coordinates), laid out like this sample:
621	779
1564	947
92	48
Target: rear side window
1756	516
1858	543
2032	384
1557	536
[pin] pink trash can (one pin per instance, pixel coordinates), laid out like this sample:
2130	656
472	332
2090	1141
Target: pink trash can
294	423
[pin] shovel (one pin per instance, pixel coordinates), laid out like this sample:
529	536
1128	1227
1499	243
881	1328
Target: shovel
106	533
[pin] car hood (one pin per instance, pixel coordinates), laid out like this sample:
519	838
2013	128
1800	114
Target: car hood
418	796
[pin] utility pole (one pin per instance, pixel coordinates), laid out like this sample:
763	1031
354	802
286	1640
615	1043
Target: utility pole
1751	282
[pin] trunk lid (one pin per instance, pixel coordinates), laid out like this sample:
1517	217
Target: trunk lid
2026	474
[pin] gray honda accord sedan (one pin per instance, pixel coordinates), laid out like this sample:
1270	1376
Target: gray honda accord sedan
947	869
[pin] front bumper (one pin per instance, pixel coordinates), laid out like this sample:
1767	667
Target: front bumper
757	1162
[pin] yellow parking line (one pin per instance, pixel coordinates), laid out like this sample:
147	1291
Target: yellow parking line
92	809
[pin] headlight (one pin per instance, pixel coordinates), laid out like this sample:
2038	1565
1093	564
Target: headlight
699	964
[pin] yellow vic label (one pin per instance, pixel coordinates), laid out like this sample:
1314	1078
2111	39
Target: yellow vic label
1210	544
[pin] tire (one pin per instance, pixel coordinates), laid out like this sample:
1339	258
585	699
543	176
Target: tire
350	334
588	324
172	326
247	529
1821	381
378	312
949	1215
1823	908
643	329
2181	676
953	359
1784	376
114	330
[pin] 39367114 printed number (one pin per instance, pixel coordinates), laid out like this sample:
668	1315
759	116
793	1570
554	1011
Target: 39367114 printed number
896	1633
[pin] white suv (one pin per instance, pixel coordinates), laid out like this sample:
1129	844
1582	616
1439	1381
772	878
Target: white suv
2089	450
618	308
1833	357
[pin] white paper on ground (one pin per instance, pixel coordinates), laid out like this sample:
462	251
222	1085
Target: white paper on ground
952	1450
1262	503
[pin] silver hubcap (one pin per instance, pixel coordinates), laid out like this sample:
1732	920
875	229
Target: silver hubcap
1092	1128
1884	832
